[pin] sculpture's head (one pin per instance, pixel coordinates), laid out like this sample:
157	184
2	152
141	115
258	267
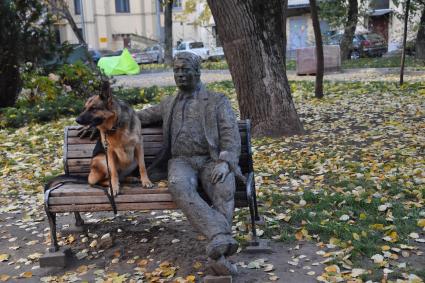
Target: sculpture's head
187	70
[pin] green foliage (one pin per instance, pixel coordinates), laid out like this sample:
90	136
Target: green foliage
49	97
26	30
220	65
136	95
26	34
81	80
334	12
76	80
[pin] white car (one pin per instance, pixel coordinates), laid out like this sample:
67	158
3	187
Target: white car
194	47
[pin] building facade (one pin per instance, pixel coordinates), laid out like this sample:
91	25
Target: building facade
113	24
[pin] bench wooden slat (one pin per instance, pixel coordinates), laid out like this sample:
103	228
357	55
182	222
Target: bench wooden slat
107	207
104	199
72	189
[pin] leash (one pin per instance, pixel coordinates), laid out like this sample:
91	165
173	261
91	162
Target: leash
109	194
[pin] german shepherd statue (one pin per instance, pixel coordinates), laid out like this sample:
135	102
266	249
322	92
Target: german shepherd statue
121	136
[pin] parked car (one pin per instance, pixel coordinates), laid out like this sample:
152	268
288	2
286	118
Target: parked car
151	54
194	47
216	54
366	44
97	54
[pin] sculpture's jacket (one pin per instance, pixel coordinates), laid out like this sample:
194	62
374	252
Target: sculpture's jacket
218	121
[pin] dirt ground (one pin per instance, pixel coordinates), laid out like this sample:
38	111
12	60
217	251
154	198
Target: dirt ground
147	239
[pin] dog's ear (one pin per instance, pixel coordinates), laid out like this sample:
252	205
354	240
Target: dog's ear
105	92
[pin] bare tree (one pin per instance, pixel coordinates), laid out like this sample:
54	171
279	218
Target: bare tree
349	28
319	50
168	31
253	41
420	39
60	8
403	54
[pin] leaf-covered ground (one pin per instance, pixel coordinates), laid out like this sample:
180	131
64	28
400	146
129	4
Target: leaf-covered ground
354	186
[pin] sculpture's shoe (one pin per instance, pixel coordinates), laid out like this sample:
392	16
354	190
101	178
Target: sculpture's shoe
222	245
222	267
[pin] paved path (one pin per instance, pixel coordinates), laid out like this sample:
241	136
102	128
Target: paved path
165	78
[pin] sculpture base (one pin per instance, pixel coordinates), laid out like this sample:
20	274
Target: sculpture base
259	246
217	279
56	259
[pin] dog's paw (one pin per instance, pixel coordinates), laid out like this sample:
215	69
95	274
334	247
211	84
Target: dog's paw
115	192
147	183
116	189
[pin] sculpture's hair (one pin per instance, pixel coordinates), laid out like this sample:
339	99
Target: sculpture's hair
193	59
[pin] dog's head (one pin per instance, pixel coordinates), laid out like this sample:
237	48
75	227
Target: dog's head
98	108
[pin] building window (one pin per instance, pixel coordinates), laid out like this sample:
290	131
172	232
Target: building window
122	6
77	7
177	4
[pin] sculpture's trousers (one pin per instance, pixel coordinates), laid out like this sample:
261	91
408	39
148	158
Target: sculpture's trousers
183	176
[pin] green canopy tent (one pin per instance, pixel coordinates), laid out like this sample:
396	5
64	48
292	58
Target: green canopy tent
119	65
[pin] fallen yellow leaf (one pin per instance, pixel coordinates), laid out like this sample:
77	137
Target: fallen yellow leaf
142	262
377	226
190	278
197	265
421	222
26	274
299	236
4	257
4	277
385	248
332	268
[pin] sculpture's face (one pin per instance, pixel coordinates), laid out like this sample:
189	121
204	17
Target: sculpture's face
185	75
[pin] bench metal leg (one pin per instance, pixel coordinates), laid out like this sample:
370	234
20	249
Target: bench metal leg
54	247
254	196
55	256
252	214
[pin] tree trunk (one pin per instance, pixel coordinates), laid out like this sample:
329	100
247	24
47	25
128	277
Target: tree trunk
349	29
168	32
403	54
252	36
9	63
319	50
10	83
420	39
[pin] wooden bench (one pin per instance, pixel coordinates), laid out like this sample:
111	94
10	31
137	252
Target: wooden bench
75	197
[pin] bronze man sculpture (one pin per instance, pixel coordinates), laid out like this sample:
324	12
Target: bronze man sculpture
201	143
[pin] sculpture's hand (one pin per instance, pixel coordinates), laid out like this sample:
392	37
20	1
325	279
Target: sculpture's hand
88	131
220	172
